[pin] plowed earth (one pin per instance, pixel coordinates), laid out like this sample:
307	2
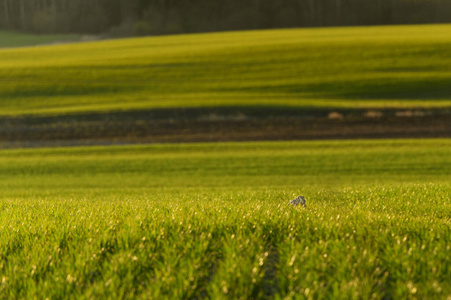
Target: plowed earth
203	125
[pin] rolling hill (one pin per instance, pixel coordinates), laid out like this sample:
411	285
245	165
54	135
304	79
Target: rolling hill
368	67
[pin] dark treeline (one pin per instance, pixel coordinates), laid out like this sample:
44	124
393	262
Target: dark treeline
143	17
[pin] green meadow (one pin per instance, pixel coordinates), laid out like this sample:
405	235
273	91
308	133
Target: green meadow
367	67
15	39
189	221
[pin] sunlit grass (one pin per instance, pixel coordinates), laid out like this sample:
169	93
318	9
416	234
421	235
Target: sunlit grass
392	66
213	220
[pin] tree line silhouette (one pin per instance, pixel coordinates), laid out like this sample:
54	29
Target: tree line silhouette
147	17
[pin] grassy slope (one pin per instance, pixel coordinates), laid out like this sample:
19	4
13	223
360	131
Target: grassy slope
13	39
401	66
212	220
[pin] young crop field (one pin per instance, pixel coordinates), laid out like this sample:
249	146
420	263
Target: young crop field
368	67
213	221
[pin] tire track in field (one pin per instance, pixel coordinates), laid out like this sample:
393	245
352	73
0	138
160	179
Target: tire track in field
270	282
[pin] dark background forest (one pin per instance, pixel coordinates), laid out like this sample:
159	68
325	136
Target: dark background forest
153	17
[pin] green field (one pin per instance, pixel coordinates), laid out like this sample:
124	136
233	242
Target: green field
213	220
368	67
14	39
190	221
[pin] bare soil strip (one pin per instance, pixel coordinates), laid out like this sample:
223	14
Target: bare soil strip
214	126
